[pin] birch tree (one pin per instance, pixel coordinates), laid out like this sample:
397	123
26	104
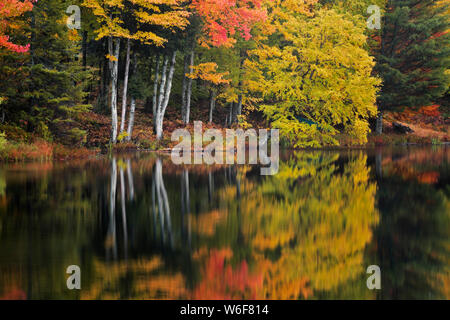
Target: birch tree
187	86
163	88
125	87
147	21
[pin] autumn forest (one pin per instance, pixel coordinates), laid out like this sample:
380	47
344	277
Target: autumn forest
123	74
91	92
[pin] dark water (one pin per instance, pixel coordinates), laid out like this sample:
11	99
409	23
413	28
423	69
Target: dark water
143	228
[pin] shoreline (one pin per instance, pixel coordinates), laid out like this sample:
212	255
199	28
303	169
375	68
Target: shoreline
59	153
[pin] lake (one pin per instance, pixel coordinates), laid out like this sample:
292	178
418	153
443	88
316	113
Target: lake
140	227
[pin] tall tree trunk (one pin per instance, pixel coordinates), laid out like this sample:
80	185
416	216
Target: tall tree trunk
379	123
132	105
155	91
125	88
84	49
212	104
189	87
238	107
184	88
131	120
164	93
230	115
102	100
114	49
238	110
160	99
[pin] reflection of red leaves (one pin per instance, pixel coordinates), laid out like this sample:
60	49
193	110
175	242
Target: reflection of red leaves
222	282
14	294
428	177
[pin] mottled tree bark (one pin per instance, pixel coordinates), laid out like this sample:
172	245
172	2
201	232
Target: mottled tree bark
132	105
113	49
155	91
125	88
164	93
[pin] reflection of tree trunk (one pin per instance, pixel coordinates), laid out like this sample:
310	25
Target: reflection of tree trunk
112	207
124	213
210	186
154	207
185	199
378	164
238	186
130	179
163	202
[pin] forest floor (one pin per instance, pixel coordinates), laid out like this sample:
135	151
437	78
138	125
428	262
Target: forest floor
428	126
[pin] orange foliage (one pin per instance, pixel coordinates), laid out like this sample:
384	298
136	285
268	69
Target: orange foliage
220	282
428	177
432	111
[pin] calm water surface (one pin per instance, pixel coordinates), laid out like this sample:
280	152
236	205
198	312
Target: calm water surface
140	227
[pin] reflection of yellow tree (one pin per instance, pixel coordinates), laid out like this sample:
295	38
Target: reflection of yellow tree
148	283
308	225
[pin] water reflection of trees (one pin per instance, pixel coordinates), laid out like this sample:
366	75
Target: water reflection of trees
143	228
413	237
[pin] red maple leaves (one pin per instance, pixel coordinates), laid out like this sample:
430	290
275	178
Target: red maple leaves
10	9
224	18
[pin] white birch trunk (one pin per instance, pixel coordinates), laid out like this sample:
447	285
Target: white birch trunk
131	120
164	94
125	88
114	68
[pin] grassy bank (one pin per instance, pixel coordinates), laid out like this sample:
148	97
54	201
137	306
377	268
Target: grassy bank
18	145
40	150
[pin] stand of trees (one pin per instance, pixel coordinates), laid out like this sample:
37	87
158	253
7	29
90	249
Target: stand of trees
311	67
